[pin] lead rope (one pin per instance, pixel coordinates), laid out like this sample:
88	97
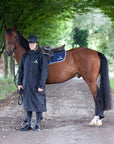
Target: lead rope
19	92
15	75
20	97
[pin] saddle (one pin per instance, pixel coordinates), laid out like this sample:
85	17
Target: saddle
48	51
58	49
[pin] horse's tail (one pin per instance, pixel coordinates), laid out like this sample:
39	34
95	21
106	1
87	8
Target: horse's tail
104	92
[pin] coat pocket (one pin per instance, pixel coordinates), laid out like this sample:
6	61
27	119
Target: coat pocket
41	98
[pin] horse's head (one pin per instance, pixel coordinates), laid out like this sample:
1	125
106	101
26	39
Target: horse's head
11	39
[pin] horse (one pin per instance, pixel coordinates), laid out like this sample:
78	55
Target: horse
91	65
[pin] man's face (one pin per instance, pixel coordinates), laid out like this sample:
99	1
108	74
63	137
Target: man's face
33	45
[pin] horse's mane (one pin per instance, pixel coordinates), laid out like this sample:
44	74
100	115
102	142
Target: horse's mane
22	40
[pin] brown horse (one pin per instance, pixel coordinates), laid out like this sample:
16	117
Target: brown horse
84	62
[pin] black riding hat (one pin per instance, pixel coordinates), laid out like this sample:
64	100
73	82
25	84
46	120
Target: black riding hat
33	39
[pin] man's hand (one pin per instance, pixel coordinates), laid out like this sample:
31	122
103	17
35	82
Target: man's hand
40	89
20	87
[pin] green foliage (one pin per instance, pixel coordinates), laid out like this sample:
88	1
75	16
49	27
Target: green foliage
44	18
7	86
106	7
51	21
101	34
80	37
112	83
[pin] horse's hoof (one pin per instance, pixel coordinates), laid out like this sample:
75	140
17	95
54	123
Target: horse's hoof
94	120
92	123
99	122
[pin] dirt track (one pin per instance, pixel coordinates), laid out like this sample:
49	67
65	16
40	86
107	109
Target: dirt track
70	108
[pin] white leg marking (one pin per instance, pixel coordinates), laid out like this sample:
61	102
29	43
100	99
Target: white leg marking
99	122
94	120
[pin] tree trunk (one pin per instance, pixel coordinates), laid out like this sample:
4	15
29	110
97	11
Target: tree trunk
10	65
5	65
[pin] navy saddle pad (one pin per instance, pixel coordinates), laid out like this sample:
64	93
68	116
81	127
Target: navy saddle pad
57	57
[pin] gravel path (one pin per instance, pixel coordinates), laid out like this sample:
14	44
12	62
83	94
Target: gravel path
70	108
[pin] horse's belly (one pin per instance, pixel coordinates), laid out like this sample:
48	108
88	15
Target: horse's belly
59	72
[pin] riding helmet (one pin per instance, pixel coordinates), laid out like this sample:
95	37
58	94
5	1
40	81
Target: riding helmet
33	39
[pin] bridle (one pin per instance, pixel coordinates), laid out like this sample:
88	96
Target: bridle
15	42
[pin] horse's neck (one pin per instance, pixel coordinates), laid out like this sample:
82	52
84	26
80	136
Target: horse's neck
19	51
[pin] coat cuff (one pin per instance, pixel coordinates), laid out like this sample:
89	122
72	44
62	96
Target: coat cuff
42	84
19	83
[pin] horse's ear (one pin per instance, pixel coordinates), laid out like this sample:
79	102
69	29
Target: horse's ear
14	28
5	27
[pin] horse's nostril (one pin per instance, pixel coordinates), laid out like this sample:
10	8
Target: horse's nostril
9	53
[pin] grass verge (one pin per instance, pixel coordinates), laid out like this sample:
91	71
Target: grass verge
112	84
7	87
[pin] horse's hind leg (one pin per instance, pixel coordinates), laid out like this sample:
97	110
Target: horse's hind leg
98	108
97	120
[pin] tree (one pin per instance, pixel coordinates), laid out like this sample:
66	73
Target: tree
45	18
5	65
80	37
101	34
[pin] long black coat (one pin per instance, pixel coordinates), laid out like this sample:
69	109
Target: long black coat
33	71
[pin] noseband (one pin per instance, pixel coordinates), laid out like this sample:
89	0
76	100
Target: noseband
12	43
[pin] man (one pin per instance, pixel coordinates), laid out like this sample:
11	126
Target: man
33	71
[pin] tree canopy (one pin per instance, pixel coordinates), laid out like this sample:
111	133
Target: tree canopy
53	21
46	18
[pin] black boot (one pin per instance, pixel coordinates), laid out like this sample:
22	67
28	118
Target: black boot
38	119
28	126
24	122
40	116
37	127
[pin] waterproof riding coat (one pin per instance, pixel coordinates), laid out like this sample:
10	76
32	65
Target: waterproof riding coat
33	71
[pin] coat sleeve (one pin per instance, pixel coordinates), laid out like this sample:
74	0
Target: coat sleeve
44	71
21	71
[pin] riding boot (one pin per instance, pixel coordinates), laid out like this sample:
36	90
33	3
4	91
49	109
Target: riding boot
40	115
24	122
38	119
28	126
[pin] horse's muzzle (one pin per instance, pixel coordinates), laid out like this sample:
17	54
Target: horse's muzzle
9	53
